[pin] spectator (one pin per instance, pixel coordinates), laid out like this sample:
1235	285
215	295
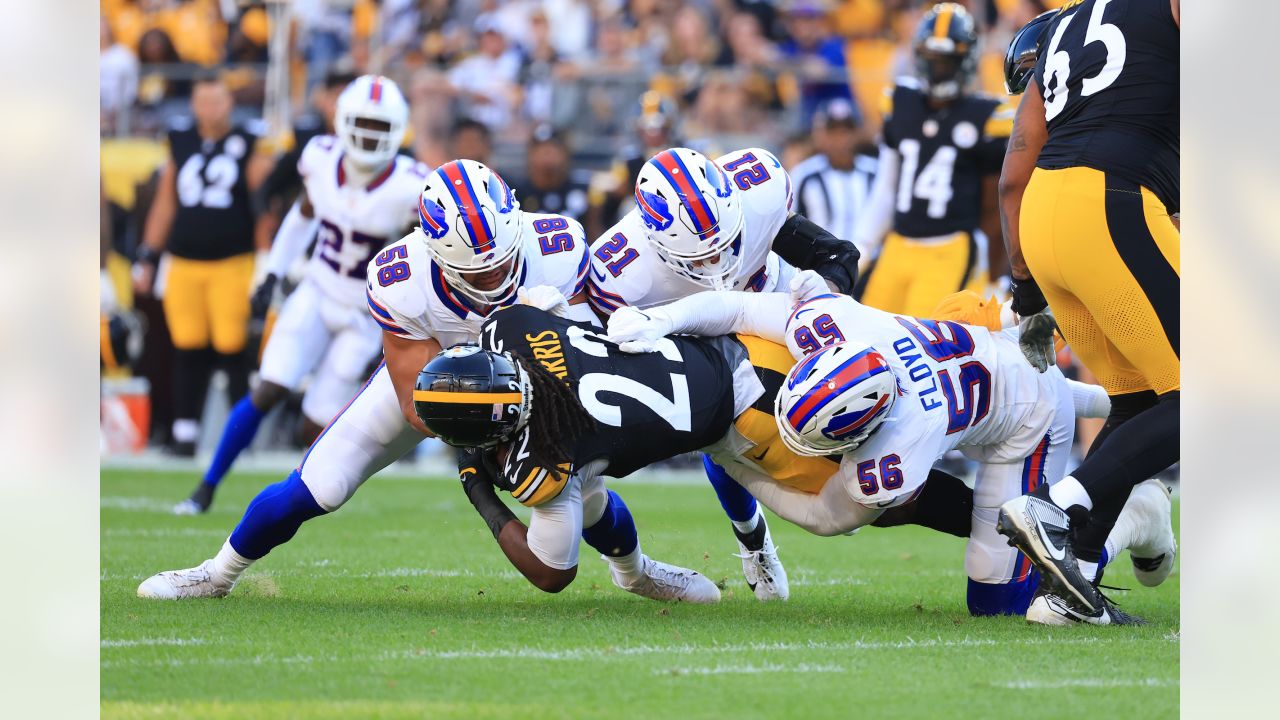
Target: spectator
117	80
486	81
156	49
324	31
656	129
693	48
724	109
470	140
551	186
751	53
815	55
543	72
796	149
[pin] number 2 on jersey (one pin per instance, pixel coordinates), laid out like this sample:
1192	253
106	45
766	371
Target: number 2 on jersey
674	410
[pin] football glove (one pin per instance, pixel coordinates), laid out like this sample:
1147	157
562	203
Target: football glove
638	332
1027	298
260	302
544	297
1036	339
806	285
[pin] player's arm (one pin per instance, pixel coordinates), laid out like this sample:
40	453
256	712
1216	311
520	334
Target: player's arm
295	233
1028	137
877	216
989	223
155	234
405	358
808	246
707	313
1175	6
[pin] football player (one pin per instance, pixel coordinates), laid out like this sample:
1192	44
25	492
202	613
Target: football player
358	194
720	225
1089	191
891	394
473	250
933	203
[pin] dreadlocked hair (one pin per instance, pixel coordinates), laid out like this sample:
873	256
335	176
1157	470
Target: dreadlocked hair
556	419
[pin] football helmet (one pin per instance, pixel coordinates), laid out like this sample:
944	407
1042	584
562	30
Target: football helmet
832	400
945	50
1024	50
692	216
473	398
371	98
472	224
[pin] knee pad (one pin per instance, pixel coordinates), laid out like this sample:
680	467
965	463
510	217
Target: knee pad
328	484
988	558
595	498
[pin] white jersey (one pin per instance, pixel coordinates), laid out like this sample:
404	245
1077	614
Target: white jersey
959	387
625	269
408	295
355	222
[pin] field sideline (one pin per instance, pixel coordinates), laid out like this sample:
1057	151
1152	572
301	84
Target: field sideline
401	605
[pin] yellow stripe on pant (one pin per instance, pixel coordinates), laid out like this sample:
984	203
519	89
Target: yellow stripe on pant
206	302
1106	255
911	277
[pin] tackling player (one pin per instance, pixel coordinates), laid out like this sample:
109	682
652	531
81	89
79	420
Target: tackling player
474	249
891	395
1088	192
358	194
937	176
719	225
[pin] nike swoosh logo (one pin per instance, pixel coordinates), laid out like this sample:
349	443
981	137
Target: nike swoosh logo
1055	552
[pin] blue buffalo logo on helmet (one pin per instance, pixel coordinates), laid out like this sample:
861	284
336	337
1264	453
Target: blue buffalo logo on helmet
432	218
654	210
502	195
701	216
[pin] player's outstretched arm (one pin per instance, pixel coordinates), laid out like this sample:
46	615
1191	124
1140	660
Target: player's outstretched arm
808	246
405	359
708	314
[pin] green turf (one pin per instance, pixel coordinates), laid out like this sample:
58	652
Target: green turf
401	605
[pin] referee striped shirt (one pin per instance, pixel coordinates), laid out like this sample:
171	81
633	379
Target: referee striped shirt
831	198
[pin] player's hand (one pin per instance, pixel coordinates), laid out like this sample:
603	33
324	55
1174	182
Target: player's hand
806	285
144	278
260	301
637	332
1027	298
1036	339
544	297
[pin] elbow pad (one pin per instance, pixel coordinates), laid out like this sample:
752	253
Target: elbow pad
808	246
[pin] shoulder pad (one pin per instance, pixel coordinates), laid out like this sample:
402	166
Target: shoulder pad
398	301
560	262
618	260
1000	123
316	148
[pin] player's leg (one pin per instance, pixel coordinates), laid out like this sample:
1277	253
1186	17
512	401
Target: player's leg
761	565
886	285
610	530
230	285
365	437
939	269
186	314
356	344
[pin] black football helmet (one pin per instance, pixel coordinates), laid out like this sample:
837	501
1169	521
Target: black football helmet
473	398
946	50
1020	59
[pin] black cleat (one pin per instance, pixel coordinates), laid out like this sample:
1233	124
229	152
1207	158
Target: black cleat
1042	531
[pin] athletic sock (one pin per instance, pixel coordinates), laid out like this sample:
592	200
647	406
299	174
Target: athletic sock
752	532
273	517
738	504
628	566
228	564
242	426
191	371
1088	569
1067	492
614	534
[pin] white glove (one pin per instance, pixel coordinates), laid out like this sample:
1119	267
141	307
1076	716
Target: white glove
806	285
638	332
544	297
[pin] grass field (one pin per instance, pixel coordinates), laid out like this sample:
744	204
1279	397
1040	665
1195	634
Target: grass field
401	605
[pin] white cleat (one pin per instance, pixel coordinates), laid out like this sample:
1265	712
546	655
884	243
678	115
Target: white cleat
1049	609
187	507
1154	547
196	582
763	570
660	581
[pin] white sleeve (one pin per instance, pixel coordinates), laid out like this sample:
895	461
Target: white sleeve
877	214
582	312
291	240
720	313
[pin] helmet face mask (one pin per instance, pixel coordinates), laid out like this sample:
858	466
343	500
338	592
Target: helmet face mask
473	229
473	398
693	217
1024	50
833	400
370	120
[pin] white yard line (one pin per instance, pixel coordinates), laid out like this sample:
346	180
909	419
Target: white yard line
147	642
1088	683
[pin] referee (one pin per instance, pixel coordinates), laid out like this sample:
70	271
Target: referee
203	221
832	187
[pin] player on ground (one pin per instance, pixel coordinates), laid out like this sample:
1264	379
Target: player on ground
700	225
892	394
936	179
358	194
1088	189
473	251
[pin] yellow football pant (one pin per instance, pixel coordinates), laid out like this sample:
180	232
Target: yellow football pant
911	277
207	302
1106	256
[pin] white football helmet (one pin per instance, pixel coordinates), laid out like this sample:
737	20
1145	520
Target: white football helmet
371	97
472	225
833	400
692	216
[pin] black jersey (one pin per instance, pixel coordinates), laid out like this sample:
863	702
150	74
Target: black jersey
568	199
214	217
944	156
648	407
1109	74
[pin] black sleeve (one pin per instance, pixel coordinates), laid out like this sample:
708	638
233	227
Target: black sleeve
807	246
282	181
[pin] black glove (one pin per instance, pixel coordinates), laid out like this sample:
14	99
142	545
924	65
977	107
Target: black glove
476	473
261	300
1027	298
